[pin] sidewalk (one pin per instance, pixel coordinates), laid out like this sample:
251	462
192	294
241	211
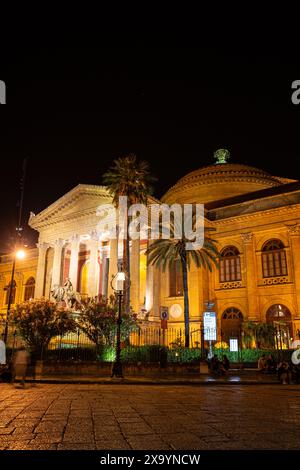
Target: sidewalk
204	379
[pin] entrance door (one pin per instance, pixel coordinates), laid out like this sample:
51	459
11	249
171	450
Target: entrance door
231	324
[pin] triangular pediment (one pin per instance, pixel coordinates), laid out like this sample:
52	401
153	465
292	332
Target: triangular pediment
82	199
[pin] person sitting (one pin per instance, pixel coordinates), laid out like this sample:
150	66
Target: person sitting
262	365
271	364
284	373
216	366
226	363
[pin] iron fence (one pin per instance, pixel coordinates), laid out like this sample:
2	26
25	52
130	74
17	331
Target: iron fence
78	346
144	344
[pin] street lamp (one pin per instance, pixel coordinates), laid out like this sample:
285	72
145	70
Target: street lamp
18	254
119	281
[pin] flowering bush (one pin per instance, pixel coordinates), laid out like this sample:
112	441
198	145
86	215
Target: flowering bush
38	321
98	320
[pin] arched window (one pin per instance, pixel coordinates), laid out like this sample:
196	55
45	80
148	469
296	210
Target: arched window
274	259
230	265
280	316
29	289
176	282
232	313
13	293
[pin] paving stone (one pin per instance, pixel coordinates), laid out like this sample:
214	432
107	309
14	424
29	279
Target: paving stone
112	444
135	428
7	430
152	442
76	446
48	437
80	437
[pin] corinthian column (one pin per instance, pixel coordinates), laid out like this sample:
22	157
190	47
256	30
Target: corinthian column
251	275
73	271
57	262
149	288
92	277
40	272
135	275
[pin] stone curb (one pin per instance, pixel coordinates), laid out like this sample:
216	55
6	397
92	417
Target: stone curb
151	382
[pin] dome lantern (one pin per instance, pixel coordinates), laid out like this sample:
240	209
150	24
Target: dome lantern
221	156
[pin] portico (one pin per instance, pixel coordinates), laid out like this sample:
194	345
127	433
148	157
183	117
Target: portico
81	252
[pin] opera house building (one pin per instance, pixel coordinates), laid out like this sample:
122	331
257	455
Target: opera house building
256	222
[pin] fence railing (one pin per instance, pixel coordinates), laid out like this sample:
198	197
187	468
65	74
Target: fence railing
76	346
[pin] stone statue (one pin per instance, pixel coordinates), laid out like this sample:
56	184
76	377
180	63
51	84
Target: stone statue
66	293
143	315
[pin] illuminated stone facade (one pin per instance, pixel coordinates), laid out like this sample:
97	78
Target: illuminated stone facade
256	218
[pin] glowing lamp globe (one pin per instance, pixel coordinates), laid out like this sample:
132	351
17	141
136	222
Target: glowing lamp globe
20	254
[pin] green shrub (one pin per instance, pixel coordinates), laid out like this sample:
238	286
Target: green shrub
250	355
184	355
106	353
150	353
70	354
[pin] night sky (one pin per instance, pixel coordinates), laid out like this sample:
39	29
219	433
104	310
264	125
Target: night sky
71	111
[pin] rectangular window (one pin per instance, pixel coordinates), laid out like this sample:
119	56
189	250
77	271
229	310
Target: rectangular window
283	263
274	264
222	271
238	269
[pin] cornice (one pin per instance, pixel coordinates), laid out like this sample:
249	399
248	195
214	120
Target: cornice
259	214
48	222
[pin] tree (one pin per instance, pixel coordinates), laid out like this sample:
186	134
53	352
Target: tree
165	253
38	321
128	177
98	320
249	333
265	335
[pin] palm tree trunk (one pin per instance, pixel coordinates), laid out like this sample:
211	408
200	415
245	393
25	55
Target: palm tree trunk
186	302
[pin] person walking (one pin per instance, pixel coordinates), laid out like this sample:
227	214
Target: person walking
21	360
2	352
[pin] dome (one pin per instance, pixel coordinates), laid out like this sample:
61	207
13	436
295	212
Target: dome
220	181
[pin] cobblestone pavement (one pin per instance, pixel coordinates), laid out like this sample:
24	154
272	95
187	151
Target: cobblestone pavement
149	417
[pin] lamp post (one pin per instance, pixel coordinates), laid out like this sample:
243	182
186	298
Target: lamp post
18	254
119	279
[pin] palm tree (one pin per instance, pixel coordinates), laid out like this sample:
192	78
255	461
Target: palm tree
165	253
128	177
249	333
265	334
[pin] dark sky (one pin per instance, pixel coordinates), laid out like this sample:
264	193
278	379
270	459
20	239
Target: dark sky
71	111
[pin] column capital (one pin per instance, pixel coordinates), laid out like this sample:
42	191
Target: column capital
42	245
247	237
59	243
74	239
94	236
